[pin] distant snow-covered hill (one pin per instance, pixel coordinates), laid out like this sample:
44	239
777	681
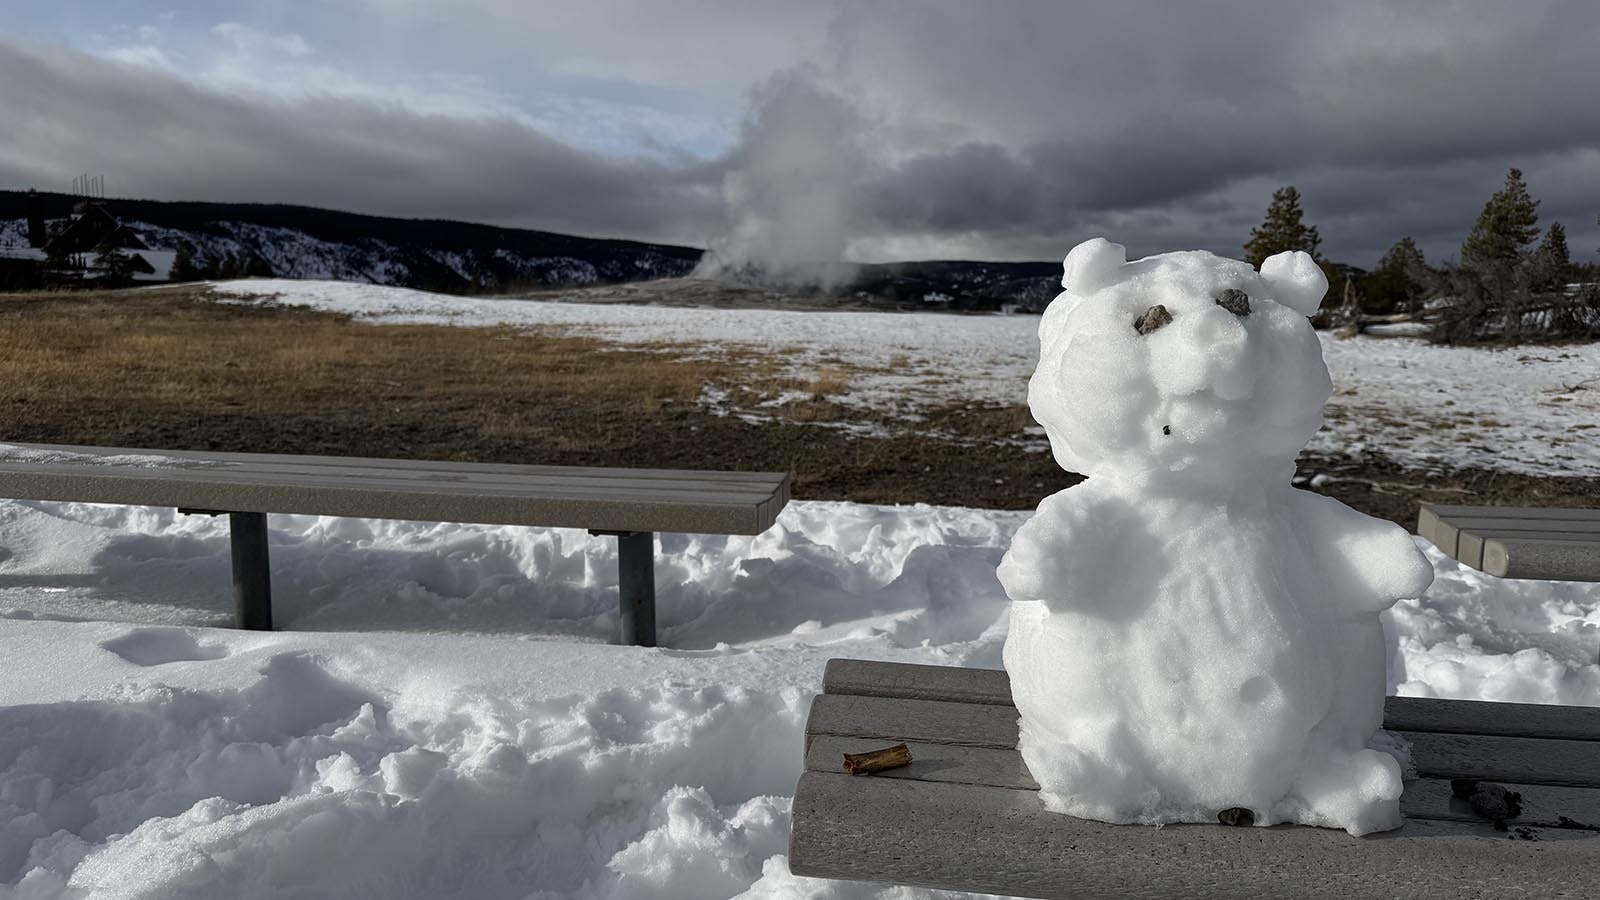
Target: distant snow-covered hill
303	242
234	239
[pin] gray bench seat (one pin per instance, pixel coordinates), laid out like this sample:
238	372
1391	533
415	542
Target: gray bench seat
1517	541
632	504
965	815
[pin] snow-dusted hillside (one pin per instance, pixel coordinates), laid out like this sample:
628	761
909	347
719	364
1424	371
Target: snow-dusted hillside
303	242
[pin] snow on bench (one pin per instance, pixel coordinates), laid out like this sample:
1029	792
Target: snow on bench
1517	541
965	814
631	504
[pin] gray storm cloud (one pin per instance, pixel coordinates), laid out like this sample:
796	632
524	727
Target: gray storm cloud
927	128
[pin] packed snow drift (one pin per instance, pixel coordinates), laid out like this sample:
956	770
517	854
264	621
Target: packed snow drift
1190	633
441	718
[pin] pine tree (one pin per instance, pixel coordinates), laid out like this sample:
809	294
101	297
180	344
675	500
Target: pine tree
183	266
1553	262
1508	223
254	266
1400	281
1284	229
115	265
1495	283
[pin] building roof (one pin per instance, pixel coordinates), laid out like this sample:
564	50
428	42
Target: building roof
160	265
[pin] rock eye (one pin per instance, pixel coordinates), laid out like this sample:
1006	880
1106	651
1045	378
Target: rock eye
1235	301
1151	319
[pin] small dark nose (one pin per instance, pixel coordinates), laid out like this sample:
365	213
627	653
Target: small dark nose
1235	301
1151	319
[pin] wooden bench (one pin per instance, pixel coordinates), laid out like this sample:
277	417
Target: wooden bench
1517	541
965	815
631	504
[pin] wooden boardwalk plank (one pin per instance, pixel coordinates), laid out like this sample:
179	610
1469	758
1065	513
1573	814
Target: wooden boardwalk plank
1546	806
871	678
1004	841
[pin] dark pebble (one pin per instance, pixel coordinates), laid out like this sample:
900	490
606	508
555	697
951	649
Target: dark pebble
1151	319
1235	301
1237	816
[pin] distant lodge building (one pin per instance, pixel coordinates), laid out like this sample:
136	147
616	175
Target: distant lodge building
90	247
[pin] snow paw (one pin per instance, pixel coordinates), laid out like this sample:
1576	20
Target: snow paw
158	646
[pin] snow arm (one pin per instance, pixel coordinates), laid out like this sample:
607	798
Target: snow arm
1371	561
1067	555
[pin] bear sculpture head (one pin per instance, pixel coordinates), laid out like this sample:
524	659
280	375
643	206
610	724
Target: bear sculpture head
1185	366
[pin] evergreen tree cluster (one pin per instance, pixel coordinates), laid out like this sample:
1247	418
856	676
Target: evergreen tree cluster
186	266
1504	288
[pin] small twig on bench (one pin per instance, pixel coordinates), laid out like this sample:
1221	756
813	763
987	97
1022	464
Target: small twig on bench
877	760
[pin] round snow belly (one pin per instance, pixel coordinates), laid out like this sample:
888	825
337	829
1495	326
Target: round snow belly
1201	702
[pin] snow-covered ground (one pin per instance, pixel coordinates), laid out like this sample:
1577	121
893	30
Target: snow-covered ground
442	717
1531	410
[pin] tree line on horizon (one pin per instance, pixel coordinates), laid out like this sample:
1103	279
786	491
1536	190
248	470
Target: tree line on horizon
1508	286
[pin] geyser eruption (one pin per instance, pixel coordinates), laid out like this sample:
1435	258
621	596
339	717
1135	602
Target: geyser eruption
791	191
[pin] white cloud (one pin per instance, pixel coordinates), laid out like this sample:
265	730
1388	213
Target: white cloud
252	42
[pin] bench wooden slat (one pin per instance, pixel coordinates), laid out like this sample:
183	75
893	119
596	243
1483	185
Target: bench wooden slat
695	492
1471	546
623	514
1543	805
1512	512
920	721
1520	759
1579	527
618	508
1560	560
870	678
1532	720
364	463
440	479
1517	542
947	763
1446	532
1004	841
1424	798
1498	758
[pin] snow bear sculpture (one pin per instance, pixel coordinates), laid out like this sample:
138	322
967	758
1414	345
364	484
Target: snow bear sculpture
1189	633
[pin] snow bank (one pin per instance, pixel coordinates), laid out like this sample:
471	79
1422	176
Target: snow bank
1424	407
151	757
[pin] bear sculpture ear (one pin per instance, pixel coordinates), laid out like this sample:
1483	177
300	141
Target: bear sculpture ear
1092	265
1296	281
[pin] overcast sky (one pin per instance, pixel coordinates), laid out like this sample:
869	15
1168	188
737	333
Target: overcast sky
872	129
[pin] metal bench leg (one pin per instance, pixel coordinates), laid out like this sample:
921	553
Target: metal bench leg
636	585
252	585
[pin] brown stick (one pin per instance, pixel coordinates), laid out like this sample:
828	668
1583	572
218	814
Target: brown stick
877	760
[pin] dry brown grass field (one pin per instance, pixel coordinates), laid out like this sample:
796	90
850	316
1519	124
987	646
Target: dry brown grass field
172	369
